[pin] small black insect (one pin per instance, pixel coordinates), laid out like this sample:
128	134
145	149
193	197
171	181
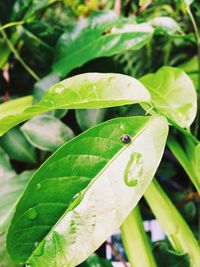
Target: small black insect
126	138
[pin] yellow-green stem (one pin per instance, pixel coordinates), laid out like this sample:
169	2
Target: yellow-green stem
173	224
135	241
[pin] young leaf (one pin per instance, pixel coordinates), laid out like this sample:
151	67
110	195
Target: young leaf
17	147
10	191
46	132
90	90
79	195
173	95
103	40
87	118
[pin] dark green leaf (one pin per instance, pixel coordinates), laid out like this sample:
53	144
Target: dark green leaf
96	37
46	132
95	261
76	200
167	257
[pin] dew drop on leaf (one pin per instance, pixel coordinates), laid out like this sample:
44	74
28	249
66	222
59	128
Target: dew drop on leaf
40	249
32	214
39	186
133	169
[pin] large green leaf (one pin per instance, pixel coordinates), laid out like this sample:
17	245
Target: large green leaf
173	95
90	90
80	195
46	132
17	147
96	37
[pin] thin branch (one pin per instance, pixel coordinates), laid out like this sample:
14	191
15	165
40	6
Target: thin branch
116	254
118	6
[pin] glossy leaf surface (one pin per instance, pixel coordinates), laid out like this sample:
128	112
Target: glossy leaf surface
103	40
173	95
17	147
90	90
81	184
46	132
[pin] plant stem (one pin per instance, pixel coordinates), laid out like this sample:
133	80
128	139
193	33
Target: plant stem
196	31
173	224
11	24
15	52
135	241
181	156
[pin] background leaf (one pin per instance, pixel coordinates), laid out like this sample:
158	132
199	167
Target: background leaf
46	132
6	170
87	118
73	51
50	212
17	147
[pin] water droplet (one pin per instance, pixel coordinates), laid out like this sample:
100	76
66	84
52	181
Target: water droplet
94	87
35	244
40	249
133	169
126	138
39	186
121	127
32	214
59	88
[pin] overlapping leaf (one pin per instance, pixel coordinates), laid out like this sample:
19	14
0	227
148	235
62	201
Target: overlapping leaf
173	95
79	195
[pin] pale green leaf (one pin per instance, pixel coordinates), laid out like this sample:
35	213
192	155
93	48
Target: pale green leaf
79	197
90	90
173	95
17	147
6	169
168	24
87	118
197	153
10	191
46	132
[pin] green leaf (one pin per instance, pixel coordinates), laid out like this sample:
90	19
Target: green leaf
191	68
95	261
46	132
6	170
166	257
197	153
5	259
10	191
76	200
173	95
17	147
96	37
87	118
90	90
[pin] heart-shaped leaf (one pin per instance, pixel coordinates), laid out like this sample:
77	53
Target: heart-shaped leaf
83	192
90	90
173	95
